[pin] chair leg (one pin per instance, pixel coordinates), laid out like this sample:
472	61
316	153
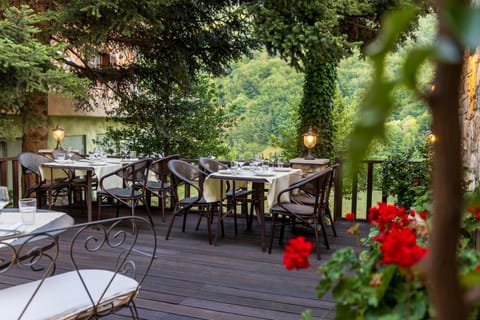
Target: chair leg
209	226
317	241
272	233
324	231
175	213
328	213
99	207
149	213
164	204
282	230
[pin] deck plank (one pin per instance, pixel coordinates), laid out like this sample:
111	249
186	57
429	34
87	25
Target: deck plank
233	280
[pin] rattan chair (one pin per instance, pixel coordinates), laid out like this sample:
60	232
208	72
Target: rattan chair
134	178
192	179
235	194
311	216
304	198
162	187
45	190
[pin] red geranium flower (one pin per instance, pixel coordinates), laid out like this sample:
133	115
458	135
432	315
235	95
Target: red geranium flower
350	216
423	215
296	253
400	247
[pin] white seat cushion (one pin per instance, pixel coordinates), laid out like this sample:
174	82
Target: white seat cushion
63	296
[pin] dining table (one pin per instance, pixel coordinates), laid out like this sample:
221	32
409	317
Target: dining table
45	220
88	168
266	185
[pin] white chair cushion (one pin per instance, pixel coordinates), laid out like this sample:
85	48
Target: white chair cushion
63	296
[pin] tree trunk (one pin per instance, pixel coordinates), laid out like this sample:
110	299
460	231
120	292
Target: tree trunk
444	289
35	112
35	123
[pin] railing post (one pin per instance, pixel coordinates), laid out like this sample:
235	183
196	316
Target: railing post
369	185
354	193
15	184
338	191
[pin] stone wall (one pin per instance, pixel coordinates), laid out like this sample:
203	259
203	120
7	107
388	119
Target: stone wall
471	119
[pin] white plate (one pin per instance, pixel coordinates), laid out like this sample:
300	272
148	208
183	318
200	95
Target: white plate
63	161
264	174
282	169
98	163
225	171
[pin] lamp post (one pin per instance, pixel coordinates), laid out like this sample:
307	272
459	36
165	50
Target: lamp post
58	134
309	140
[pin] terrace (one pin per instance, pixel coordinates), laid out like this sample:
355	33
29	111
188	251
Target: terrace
191	279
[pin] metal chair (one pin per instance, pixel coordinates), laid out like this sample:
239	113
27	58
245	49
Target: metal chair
163	185
133	190
308	215
304	198
45	190
191	177
234	194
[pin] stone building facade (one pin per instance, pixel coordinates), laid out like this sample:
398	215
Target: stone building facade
470	115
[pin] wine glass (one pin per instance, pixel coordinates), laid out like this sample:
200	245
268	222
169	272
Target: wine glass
69	154
273	159
240	161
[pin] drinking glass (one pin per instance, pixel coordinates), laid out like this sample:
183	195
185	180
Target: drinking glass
234	166
69	154
28	208
280	162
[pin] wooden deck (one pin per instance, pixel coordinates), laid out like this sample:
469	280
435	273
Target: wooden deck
233	280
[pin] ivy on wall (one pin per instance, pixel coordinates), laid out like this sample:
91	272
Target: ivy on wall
317	105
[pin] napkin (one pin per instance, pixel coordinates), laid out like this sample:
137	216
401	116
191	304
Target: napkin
7	229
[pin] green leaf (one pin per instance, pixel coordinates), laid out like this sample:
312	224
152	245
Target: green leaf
394	24
470	279
411	66
343	311
387	275
464	21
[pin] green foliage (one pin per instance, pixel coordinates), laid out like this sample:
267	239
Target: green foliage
174	42
196	120
270	116
27	65
317	104
406	179
389	90
364	288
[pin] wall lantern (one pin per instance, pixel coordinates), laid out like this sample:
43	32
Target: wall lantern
310	140
58	134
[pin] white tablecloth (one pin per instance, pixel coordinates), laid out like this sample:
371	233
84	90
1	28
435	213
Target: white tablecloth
100	170
276	181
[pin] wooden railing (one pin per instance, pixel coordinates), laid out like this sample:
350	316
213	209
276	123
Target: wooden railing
10	176
338	210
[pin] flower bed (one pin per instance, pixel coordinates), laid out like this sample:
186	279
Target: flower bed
387	276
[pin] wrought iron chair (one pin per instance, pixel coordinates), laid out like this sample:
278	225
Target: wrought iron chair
304	198
86	288
308	215
45	190
235	194
134	177
163	185
191	177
